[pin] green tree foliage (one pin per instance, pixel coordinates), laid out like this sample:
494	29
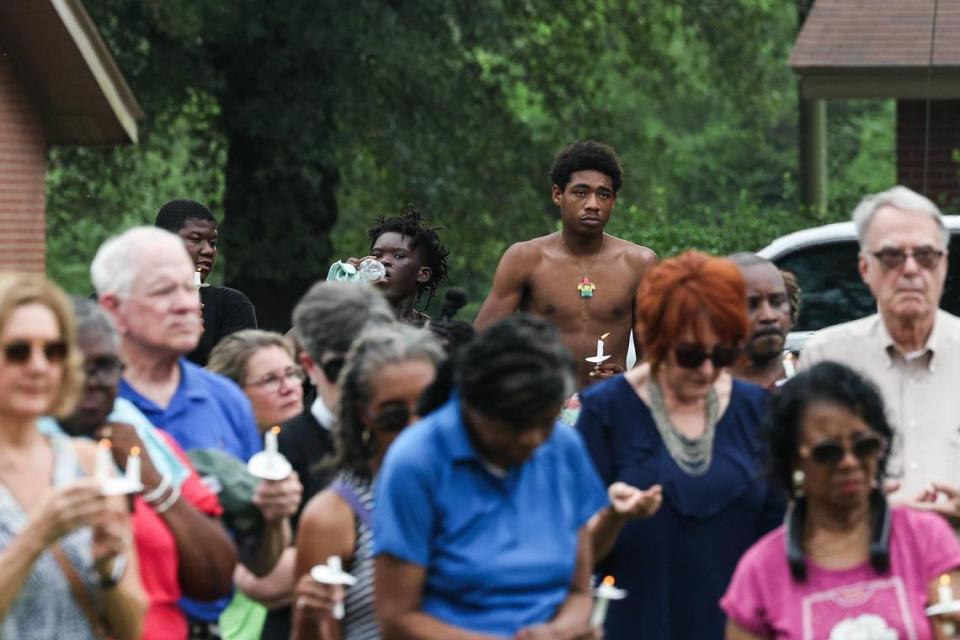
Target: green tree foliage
305	120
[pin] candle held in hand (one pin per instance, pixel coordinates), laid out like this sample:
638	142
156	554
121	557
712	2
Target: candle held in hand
604	594
104	460
133	465
197	279
271	445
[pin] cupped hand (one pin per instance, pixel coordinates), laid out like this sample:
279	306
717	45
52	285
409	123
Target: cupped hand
631	502
278	499
66	507
930	500
606	370
315	600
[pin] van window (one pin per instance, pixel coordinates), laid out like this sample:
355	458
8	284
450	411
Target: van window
832	289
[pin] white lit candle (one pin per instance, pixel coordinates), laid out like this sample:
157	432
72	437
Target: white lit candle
271	445
332	573
945	596
604	594
103	461
197	281
133	465
944	591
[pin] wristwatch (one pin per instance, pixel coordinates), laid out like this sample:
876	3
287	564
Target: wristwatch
119	568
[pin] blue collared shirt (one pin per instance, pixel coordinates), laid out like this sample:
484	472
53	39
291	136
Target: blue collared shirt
499	552
208	411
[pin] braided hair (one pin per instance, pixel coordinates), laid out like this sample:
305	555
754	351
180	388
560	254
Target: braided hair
410	224
515	370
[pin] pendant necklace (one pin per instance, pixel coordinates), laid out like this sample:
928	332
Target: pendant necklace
586	287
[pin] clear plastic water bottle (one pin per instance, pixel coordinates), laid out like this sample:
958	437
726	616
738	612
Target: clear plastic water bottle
371	270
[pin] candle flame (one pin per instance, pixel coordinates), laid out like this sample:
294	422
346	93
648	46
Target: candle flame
105	444
609	581
604	336
276	429
945	580
134	450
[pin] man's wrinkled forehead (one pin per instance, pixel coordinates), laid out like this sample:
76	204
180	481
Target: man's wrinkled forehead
894	228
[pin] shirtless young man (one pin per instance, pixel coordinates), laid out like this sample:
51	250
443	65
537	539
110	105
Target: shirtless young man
581	279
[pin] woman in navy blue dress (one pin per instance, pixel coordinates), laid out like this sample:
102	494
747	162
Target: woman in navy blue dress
680	425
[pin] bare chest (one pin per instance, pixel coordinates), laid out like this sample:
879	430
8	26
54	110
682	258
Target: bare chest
565	293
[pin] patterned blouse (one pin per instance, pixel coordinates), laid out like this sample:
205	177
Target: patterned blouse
360	622
45	607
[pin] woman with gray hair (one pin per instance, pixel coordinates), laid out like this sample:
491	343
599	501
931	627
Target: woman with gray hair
262	364
386	371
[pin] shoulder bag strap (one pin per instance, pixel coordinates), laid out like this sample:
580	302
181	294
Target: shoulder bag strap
79	592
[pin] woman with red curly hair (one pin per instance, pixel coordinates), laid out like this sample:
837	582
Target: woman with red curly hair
680	427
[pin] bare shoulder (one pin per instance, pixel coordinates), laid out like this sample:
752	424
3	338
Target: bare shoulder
525	253
327	514
637	255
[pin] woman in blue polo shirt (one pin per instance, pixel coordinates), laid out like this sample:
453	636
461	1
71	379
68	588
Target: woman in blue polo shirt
482	507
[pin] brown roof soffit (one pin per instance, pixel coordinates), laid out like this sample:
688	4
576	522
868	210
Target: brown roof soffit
875	34
68	72
97	55
912	83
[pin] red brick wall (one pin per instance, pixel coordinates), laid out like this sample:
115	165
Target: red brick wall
943	173
22	168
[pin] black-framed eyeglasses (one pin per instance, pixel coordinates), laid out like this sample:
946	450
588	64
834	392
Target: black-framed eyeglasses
691	356
274	380
107	368
20	351
829	453
925	257
331	367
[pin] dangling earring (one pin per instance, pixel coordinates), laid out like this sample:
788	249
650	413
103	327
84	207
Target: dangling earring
366	437
799	477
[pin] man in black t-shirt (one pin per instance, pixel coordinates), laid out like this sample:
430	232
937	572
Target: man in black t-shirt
225	310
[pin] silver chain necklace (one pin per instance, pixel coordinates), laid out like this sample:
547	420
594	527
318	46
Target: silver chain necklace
693	455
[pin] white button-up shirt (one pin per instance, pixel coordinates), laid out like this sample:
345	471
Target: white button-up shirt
921	392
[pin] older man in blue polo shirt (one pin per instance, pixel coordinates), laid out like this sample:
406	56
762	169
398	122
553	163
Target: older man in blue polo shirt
480	525
144	279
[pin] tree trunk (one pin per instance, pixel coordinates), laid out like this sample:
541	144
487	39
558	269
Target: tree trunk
279	209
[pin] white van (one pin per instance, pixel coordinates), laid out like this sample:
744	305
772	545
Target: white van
824	259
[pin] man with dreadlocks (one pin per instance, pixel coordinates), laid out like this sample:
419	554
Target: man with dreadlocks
414	258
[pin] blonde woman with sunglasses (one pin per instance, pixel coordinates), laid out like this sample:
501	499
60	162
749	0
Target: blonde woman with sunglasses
845	564
67	566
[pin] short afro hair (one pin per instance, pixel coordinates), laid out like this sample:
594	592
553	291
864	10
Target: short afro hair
410	223
173	215
586	155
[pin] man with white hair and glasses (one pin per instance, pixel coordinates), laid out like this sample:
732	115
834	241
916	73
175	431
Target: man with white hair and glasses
910	348
144	280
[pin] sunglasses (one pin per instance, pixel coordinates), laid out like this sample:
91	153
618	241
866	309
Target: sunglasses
926	257
691	356
108	368
393	417
20	351
831	452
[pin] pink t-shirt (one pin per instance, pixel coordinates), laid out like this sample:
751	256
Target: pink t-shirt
764	599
